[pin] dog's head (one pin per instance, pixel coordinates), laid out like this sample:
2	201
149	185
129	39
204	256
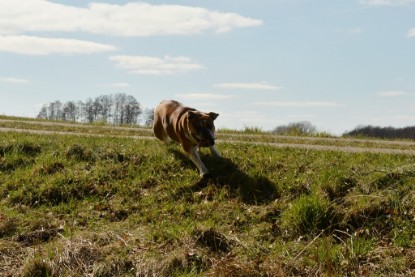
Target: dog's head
202	128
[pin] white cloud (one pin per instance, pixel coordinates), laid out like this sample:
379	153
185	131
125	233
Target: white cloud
20	20
241	119
116	85
248	86
131	19
391	93
409	118
411	33
355	31
154	65
31	45
299	104
386	2
13	80
301	116
204	96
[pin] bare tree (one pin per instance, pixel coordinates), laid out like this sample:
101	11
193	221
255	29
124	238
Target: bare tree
69	112
80	107
103	105
118	107
132	110
148	117
56	110
43	114
126	109
89	110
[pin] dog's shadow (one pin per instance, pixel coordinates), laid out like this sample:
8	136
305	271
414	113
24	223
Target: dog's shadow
225	173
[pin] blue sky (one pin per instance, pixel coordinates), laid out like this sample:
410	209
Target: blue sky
260	63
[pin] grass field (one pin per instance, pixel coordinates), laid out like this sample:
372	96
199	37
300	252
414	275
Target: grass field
113	205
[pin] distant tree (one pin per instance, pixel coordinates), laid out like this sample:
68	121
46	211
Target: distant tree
118	107
132	110
51	111
89	110
80	107
43	114
55	110
69	111
296	128
148	117
126	109
103	105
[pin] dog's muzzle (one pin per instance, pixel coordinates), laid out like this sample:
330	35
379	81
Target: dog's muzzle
208	138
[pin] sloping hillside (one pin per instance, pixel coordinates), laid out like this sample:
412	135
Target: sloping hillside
81	200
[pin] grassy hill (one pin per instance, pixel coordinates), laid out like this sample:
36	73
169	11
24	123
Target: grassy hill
101	203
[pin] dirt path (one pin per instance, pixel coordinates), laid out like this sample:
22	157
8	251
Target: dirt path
351	149
233	136
331	140
63	124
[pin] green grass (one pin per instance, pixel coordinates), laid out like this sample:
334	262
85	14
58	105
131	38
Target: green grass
118	206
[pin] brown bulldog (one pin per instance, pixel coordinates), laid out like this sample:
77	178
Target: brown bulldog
187	126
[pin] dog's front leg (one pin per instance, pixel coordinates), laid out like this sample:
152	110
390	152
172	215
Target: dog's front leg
214	151
194	156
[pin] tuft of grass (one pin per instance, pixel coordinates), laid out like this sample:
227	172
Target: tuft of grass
36	268
24	148
338	190
213	240
80	153
52	168
231	266
8	226
13	163
309	214
115	266
327	254
253	130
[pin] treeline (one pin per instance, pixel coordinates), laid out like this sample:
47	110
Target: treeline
118	109
383	132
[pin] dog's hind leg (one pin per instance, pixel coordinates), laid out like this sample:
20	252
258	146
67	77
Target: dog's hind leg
165	138
159	131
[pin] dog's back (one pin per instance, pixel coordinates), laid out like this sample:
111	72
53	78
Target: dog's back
167	118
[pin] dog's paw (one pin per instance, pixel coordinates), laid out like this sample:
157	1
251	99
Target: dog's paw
206	176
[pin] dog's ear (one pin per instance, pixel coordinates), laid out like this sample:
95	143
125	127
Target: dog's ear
191	115
213	115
